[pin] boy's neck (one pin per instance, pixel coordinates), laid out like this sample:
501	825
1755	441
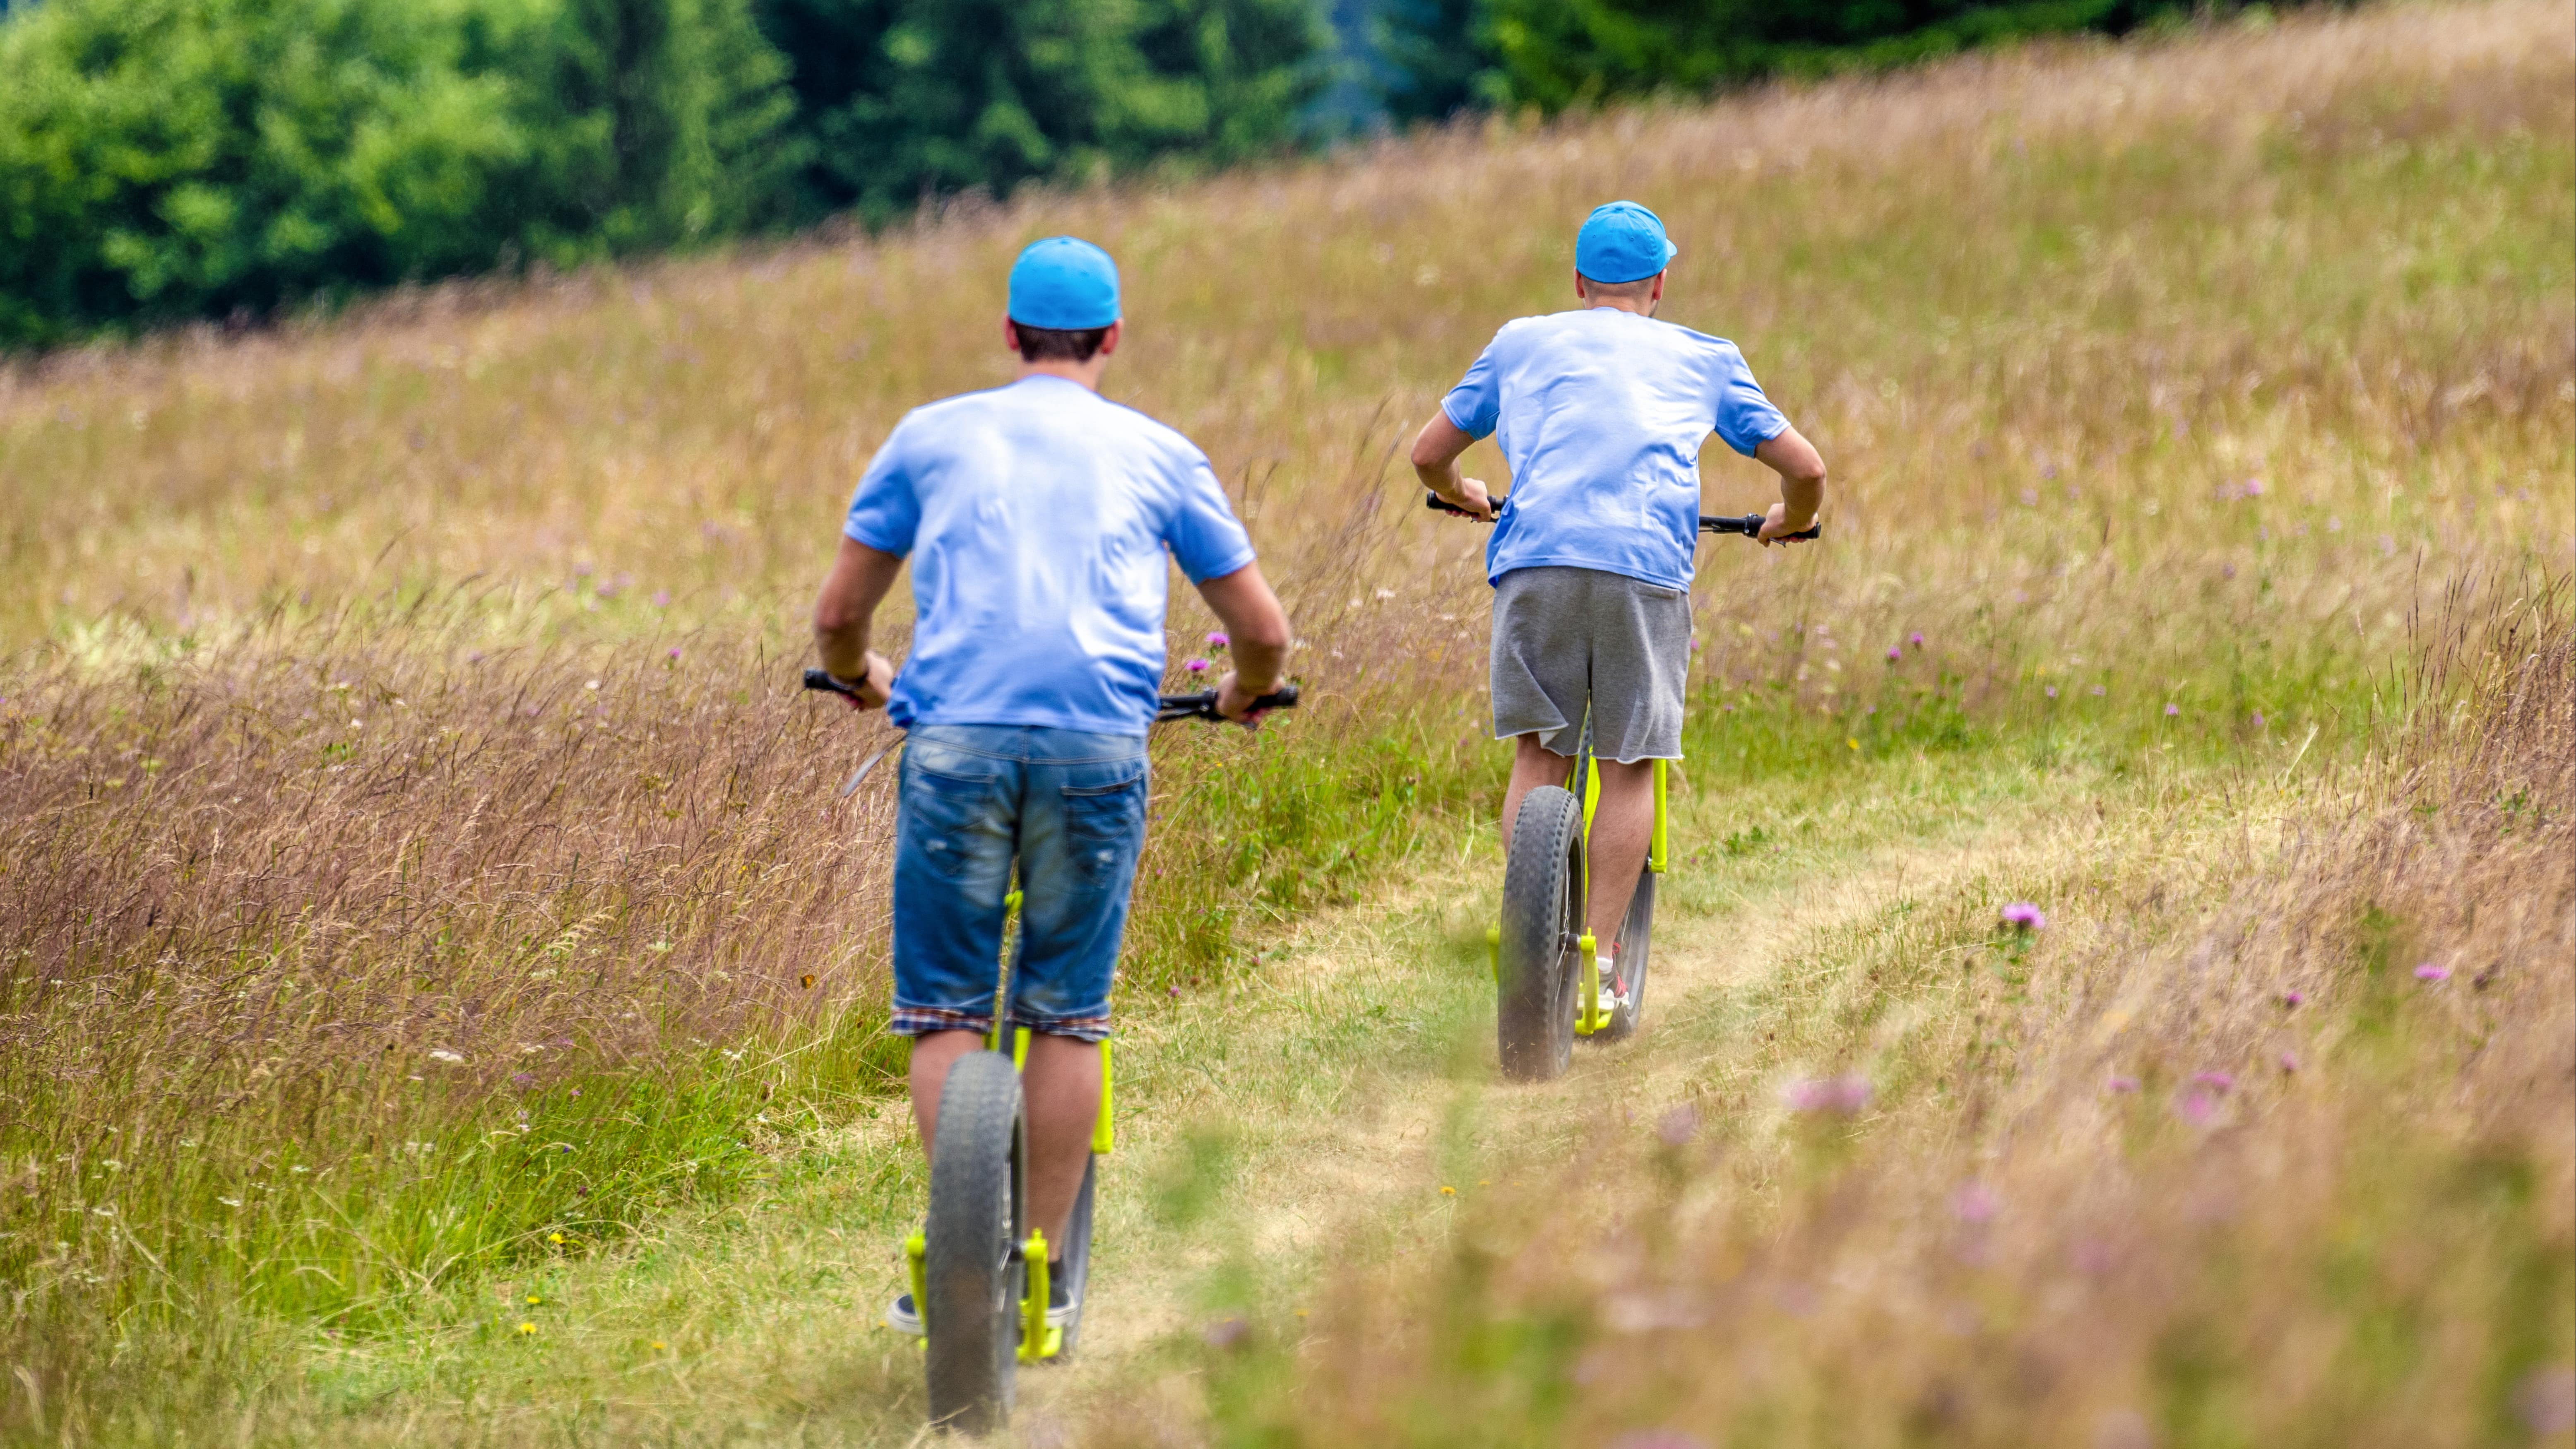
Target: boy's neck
1085	373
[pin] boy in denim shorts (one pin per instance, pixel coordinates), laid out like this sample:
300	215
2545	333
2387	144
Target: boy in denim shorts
1037	517
1601	412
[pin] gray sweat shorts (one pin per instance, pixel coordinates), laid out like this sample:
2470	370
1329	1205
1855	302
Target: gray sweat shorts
1565	637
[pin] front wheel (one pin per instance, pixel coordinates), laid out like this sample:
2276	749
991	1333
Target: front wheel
978	1217
1538	963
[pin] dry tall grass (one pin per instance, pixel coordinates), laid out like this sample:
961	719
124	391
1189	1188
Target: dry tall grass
2161	385
2275	1145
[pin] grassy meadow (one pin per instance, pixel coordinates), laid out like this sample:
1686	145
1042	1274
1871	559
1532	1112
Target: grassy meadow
441	996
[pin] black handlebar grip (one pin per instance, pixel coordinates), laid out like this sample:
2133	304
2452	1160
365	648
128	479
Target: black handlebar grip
1438	504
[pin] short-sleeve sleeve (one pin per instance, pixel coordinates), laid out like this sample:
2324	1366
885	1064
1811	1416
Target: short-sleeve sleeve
885	511
1745	417
1476	403
1204	536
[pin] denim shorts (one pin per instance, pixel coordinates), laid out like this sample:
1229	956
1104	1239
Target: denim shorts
1069	809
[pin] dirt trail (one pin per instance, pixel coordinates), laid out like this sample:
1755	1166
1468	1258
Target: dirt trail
1369	1182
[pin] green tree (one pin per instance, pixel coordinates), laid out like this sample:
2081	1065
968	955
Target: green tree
162	159
1444	59
901	99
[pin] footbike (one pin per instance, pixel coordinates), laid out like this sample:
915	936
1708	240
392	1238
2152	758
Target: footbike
1545	957
978	1270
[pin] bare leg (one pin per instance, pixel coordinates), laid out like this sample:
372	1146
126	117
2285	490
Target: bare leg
933	1053
1623	825
1063	1085
1532	766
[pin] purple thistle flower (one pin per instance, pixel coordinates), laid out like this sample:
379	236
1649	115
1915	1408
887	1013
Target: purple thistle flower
1895	652
1677	1126
1216	639
2293	998
2253	487
2215	1081
2258	719
2022	915
661	598
2430	972
2052	691
1915	638
2122	1085
522	1080
675	651
2198	1108
2172	709
2289	1061
1196	666
1839	1096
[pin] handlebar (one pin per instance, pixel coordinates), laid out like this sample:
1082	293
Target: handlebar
1750	525
1201	705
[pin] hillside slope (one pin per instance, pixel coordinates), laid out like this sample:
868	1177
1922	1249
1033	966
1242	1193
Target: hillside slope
424	911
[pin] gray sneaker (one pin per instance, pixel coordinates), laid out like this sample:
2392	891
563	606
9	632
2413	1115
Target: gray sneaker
903	1317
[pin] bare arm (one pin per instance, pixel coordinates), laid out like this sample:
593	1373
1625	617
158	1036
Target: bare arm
847	606
1802	483
1435	461
1256	629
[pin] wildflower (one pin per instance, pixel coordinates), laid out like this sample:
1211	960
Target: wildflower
1915	638
522	1080
657	1343
661	598
1172	990
2123	1085
1838	1096
2258	719
2172	709
1975	1203
2052	691
555	1238
2289	1061
1447	1191
442	1054
2216	1081
594	684
534	1300
1196	666
2022	915
1216	639
527	1328
2430	972
2293	998
2198	1108
1895	652
2253	487
2099	691
675	651
1677	1126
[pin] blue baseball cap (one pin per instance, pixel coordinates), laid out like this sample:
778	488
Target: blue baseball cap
1622	242
1064	284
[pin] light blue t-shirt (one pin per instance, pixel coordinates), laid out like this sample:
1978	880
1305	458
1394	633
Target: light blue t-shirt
1036	516
1601	414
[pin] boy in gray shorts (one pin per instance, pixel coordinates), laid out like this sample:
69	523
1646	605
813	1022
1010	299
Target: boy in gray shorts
1601	412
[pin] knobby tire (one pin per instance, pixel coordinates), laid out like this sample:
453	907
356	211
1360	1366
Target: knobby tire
1534	1007
978	1218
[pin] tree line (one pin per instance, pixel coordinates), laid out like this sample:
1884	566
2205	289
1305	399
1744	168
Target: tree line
162	160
